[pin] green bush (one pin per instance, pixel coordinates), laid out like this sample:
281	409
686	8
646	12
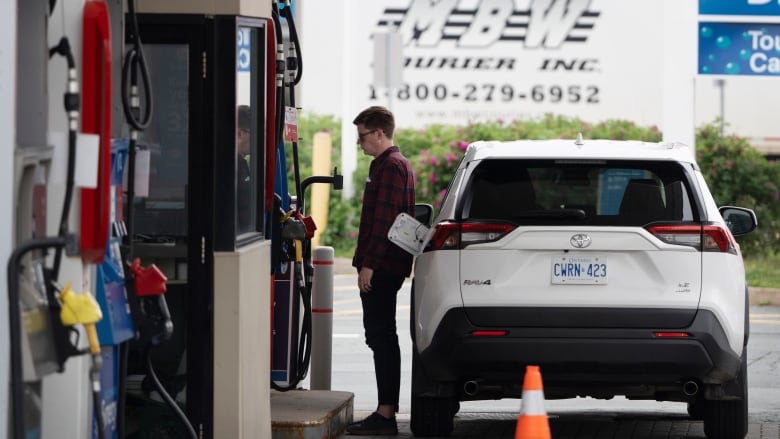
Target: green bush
343	220
736	173
739	175
308	125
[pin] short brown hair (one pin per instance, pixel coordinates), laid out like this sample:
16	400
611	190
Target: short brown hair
377	117
244	118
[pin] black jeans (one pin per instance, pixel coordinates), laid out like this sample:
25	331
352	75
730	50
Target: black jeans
381	335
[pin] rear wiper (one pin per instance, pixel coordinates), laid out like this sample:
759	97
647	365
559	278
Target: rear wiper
552	213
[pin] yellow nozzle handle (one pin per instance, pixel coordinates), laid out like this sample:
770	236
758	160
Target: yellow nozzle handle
78	308
287	215
92	339
81	309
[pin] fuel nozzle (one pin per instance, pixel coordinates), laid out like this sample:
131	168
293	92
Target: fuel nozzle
81	309
155	320
149	281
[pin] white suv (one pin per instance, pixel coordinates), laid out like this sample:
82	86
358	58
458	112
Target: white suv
606	263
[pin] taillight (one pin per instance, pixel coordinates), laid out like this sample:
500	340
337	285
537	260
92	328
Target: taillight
451	236
708	238
718	238
445	237
472	233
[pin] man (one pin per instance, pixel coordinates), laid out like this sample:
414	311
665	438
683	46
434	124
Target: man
243	172
381	265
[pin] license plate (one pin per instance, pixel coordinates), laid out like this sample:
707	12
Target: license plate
579	270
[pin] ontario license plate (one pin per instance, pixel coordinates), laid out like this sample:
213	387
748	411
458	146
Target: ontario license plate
579	270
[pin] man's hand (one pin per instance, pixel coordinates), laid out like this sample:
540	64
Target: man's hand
364	279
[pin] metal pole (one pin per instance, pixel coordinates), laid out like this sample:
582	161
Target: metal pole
388	72
721	84
322	318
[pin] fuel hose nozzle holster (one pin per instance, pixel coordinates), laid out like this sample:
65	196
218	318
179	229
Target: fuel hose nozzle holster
148	304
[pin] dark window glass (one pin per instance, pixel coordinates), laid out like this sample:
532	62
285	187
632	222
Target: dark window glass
163	212
248	159
550	192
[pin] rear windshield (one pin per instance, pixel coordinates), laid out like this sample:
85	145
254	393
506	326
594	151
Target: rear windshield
567	192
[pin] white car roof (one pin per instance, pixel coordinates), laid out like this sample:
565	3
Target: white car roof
585	149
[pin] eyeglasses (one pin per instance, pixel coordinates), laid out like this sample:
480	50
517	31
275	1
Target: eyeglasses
361	136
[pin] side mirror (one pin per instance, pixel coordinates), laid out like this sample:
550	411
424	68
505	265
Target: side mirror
423	213
739	219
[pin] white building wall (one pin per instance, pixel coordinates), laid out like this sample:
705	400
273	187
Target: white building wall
596	59
679	71
639	56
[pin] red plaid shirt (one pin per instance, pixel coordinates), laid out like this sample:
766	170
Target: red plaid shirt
389	191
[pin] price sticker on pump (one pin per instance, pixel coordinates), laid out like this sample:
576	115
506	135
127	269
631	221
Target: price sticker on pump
290	124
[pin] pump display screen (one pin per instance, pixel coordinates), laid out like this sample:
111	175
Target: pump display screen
163	212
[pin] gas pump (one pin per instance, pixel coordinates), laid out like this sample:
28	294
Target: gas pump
211	267
205	67
291	330
43	313
292	270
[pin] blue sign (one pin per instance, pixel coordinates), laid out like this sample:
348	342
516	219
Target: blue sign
739	7
613	186
739	49
244	49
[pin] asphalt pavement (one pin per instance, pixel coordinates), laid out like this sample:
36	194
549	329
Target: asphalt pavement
573	418
600	424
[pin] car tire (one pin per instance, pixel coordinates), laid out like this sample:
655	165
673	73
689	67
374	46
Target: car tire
696	410
431	414
727	419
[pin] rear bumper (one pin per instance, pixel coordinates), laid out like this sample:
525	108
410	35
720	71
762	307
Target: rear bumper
583	361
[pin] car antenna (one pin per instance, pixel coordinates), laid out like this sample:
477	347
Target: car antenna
579	141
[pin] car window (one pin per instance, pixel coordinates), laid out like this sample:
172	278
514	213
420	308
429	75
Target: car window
599	192
448	195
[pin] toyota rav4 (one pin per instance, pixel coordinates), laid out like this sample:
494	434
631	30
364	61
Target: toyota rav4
606	263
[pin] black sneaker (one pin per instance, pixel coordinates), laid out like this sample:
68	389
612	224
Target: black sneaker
374	425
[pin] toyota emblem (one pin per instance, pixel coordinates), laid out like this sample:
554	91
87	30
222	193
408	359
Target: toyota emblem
580	240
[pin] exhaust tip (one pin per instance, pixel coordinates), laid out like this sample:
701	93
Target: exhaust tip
690	388
471	388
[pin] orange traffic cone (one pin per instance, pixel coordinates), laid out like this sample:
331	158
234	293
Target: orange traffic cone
532	422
